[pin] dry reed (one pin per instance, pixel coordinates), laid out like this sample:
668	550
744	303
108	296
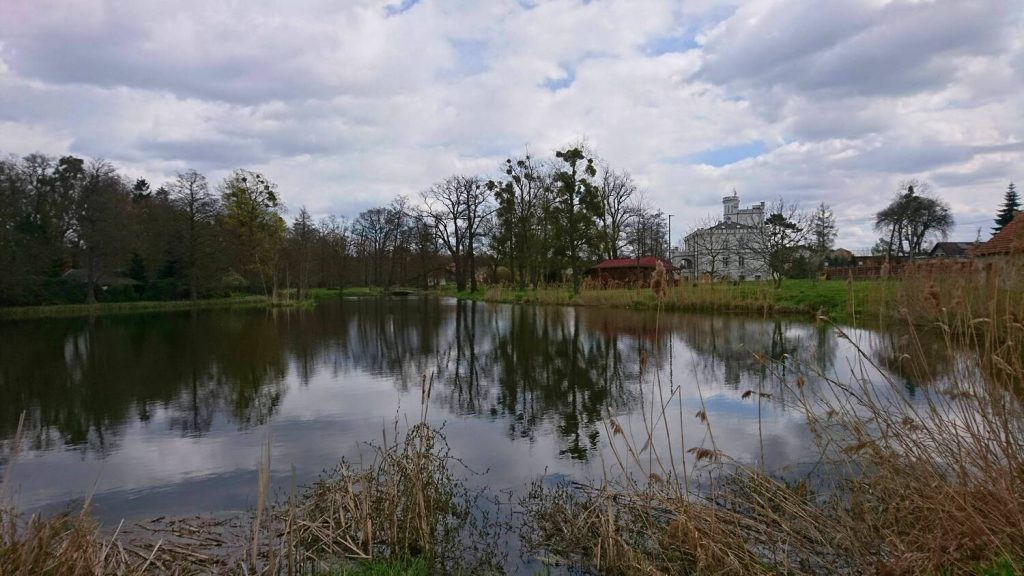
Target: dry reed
904	485
405	502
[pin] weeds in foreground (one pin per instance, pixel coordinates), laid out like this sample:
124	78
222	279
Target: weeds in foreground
403	511
904	485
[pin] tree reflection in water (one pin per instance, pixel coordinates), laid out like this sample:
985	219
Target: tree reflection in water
536	371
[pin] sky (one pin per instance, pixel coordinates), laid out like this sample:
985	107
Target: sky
346	104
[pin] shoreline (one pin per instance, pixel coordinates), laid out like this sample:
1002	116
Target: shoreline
873	301
144	306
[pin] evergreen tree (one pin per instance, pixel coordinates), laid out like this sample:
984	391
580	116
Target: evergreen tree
1011	205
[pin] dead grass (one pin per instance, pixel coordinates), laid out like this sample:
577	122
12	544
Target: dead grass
403	504
904	485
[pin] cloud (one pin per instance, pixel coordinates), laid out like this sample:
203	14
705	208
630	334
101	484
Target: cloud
855	48
347	104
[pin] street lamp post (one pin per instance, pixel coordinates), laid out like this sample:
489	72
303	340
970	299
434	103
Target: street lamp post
670	238
636	244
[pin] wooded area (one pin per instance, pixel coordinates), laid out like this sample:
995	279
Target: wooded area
74	230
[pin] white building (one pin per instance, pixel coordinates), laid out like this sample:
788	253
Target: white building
722	251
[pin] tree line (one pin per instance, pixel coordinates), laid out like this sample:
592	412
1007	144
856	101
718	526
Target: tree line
77	230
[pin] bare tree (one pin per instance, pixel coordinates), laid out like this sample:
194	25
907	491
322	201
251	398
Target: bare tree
191	195
646	229
710	246
335	245
775	241
443	206
457	209
913	217
477	216
376	228
302	237
618	195
101	217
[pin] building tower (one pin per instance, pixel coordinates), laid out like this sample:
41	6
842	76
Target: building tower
730	207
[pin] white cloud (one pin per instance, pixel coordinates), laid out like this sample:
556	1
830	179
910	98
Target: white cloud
347	104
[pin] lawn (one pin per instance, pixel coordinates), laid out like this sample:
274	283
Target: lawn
838	300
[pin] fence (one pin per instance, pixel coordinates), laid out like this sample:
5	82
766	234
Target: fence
899	270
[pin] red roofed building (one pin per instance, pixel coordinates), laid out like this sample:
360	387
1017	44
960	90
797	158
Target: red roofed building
627	270
1009	240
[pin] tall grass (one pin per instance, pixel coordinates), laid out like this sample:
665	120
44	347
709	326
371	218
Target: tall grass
902	486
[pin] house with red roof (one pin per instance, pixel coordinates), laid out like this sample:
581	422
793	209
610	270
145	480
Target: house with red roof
1008	241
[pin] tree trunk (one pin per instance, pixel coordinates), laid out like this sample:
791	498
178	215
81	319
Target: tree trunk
90	277
472	271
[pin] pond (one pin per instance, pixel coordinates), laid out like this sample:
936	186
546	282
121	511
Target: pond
166	413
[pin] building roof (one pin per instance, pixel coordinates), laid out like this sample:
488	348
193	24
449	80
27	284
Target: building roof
956	249
643	262
1008	240
722	226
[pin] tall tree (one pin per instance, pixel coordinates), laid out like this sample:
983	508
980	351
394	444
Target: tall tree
477	218
335	244
518	206
913	217
101	222
190	194
252	213
1009	209
822	232
444	209
646	230
302	237
376	229
710	242
577	203
774	242
618	195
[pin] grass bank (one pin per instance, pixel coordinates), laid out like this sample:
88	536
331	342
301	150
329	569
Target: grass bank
63	310
993	290
839	301
322	293
68	310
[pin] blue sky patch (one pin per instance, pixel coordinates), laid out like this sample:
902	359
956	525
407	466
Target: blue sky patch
556	84
719	157
670	44
472	55
402	6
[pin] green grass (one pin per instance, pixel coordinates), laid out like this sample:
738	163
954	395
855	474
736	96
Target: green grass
65	310
836	299
319	293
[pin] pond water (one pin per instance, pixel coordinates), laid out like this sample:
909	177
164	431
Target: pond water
166	413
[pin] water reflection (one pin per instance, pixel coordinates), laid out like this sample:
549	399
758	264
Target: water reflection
170	407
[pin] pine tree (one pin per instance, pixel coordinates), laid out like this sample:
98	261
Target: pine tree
1011	205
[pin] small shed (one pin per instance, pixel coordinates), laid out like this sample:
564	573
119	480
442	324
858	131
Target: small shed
627	270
